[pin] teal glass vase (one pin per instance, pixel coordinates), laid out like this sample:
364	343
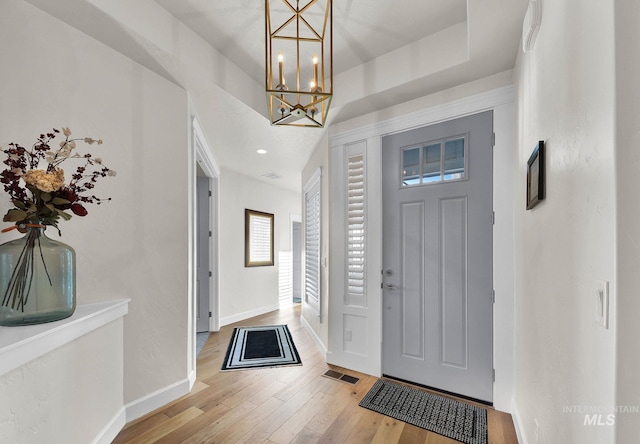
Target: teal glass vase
37	279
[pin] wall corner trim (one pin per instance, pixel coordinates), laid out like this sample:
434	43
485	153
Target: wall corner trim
112	428
159	398
316	339
517	422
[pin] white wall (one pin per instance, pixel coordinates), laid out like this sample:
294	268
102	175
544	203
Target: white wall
67	395
249	291
566	98
135	246
628	216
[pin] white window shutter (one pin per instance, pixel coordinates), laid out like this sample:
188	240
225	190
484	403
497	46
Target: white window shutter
312	243
260	239
356	226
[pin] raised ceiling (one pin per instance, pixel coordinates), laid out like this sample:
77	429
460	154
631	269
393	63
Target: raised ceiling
363	30
385	53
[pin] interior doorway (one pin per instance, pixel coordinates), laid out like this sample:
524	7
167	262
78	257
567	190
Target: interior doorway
203	251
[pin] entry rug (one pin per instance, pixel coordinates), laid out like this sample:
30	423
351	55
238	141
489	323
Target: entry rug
259	347
453	419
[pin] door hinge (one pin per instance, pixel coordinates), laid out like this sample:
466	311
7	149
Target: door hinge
493	374
210	274
210	316
493	296
210	190
493	217
493	139
210	233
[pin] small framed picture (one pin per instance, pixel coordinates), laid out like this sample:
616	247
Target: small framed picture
258	238
535	176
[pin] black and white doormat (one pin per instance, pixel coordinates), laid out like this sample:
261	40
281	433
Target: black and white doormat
259	347
463	422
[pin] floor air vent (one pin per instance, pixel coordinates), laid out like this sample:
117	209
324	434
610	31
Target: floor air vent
341	377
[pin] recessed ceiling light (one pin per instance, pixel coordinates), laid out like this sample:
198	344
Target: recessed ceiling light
261	151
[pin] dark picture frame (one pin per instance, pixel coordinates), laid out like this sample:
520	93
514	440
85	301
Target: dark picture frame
258	238
535	176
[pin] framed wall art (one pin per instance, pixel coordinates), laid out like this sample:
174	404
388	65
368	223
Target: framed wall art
258	238
535	176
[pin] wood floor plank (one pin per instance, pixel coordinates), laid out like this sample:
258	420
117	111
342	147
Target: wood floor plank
297	422
343	425
210	432
366	427
248	424
269	391
328	415
157	432
140	427
389	431
271	423
412	435
187	429
282	405
306	436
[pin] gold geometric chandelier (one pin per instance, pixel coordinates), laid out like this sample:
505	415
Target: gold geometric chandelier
299	61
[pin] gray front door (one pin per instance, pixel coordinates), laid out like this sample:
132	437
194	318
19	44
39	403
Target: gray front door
438	256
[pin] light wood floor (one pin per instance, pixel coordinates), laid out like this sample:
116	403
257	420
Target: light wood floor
281	405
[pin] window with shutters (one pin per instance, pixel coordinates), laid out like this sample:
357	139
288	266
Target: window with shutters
355	228
312	245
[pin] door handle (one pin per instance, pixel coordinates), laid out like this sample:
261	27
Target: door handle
391	287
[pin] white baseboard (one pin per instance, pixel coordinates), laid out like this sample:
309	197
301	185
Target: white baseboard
315	337
515	416
248	314
157	399
113	427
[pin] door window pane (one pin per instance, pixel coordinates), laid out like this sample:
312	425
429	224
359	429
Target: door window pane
431	163
454	159
410	166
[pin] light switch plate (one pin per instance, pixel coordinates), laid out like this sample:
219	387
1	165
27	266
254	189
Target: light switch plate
602	303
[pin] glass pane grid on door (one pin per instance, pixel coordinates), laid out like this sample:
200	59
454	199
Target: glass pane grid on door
434	162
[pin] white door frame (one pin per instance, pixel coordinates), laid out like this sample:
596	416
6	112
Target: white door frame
204	158
362	351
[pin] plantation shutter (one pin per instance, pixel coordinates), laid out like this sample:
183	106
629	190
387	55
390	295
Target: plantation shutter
260	239
355	226
312	243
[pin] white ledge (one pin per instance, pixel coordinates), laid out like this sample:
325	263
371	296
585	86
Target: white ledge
19	345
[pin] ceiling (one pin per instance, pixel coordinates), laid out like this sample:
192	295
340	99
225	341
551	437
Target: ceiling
385	53
363	29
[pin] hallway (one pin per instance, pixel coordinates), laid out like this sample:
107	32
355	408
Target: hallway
281	405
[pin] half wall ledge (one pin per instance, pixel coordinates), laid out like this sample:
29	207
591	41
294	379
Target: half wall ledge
20	345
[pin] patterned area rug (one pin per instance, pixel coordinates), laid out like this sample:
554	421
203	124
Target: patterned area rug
453	419
259	347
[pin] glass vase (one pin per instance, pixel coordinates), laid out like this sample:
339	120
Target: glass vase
37	279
